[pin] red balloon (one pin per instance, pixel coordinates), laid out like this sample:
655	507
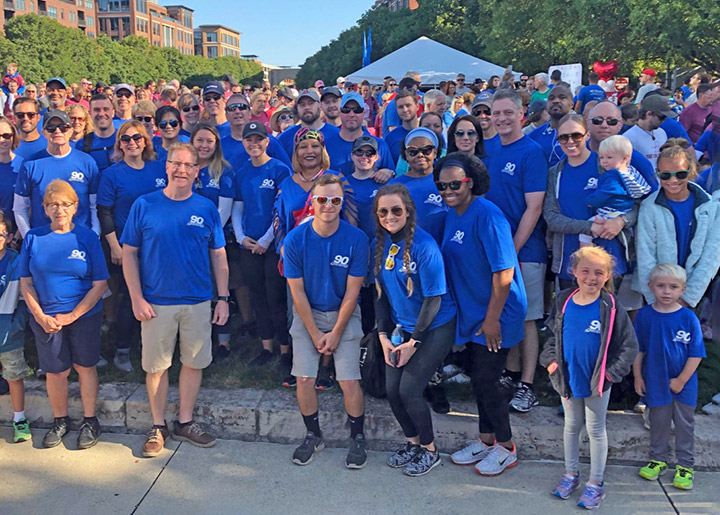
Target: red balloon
606	69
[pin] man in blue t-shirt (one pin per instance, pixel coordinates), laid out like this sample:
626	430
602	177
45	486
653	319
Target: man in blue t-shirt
27	115
213	100
590	93
407	108
307	110
326	262
173	246
100	144
124	100
518	179
559	104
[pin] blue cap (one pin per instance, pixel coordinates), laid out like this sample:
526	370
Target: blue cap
421	132
214	87
352	95
56	79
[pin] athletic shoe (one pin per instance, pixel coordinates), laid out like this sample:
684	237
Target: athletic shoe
155	441
40	373
90	432
639	407
497	460
4	386
451	371
423	462
262	359
403	455
357	455
458	379
508	383
59	429
102	362
312	445
592	496
471	454
683	478
646	419
325	379
567	485
290	381
22	431
524	399
653	470
437	398
122	360
222	353
194	434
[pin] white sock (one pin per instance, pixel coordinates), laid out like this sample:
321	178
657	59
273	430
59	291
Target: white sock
19	415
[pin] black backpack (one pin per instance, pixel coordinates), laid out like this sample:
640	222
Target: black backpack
372	366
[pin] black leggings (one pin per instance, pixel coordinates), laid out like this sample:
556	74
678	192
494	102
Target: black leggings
126	325
485	369
267	292
405	385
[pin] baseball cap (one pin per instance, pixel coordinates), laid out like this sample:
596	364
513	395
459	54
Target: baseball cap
214	87
648	71
365	141
657	104
254	128
123	86
330	90
484	99
340	80
286	93
352	95
237	98
319	84
536	106
309	94
56	79
55	113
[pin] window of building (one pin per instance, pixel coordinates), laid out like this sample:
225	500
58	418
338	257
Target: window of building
126	25
212	52
89	4
211	37
187	20
80	3
72	16
91	34
114	24
168	36
52	12
141	6
62	14
20	5
90	21
32	7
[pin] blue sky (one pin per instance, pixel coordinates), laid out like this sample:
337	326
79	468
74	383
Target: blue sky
280	32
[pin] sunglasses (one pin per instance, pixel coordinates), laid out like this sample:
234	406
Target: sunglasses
284	117
63	127
395	210
679	175
322	200
146	119
77	119
392	84
414	151
172	123
575	136
247	90
29	116
123	94
190	108
598	120
453	185
211	98
478	112
6	136
470	133
237	107
356	110
390	261
135	137
366	153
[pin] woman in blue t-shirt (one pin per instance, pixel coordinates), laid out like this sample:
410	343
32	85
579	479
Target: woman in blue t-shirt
485	282
465	135
169	124
10	164
189	109
63	278
412	296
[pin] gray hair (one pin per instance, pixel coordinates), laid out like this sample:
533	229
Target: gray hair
510	94
542	77
434	95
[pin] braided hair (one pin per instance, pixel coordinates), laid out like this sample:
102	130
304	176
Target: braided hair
401	191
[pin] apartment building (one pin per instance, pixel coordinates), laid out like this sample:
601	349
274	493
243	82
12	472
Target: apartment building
395	5
77	14
216	41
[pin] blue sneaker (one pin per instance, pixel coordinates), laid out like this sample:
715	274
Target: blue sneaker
592	496
567	485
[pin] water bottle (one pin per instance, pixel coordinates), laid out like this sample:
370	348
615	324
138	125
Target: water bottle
396	338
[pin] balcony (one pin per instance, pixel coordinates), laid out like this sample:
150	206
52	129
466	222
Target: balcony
9	5
81	23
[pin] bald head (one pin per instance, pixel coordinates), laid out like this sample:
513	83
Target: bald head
608	114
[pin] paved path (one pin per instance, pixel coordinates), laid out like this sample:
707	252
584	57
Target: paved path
258	478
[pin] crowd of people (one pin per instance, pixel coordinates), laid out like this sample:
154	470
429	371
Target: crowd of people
327	214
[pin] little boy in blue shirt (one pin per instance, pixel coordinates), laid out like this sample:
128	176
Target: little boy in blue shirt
671	348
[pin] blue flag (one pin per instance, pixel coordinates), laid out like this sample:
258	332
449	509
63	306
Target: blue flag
369	45
366	54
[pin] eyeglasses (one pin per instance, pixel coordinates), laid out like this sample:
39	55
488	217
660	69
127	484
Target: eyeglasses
679	175
77	119
171	123
284	117
58	205
575	136
63	127
390	261
414	151
453	185
364	153
470	133
477	112
247	90
211	98
123	94
322	200
29	116
395	210
392	84
135	137
146	119
598	120
179	165
187	109
237	107
356	110
6	136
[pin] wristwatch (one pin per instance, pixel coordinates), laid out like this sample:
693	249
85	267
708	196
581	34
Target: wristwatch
226	298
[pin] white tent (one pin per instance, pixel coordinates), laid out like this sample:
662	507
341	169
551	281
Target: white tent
434	62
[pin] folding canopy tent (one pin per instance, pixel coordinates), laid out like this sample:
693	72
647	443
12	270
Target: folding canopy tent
434	62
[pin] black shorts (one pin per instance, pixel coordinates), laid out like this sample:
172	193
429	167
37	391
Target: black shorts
77	343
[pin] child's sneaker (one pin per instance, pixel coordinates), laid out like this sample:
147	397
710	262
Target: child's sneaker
653	470
567	485
683	478
592	496
22	431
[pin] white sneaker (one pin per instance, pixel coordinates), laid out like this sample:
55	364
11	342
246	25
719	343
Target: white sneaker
473	453
497	460
458	379
639	407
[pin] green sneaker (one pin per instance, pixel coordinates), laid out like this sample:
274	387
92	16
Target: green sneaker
683	478
22	431
653	470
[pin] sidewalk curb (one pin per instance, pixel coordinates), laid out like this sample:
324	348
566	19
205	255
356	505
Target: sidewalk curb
272	416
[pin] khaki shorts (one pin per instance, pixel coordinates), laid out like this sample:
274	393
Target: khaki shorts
192	322
13	364
306	358
533	275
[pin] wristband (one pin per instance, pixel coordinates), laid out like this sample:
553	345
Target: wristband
226	298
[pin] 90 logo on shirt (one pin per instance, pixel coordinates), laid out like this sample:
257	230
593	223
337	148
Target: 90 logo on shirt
342	261
77	177
197	221
268	184
77	254
683	337
413	268
434	198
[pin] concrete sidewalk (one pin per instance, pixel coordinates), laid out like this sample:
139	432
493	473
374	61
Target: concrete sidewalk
258	478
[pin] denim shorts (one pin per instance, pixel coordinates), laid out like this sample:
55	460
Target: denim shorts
77	343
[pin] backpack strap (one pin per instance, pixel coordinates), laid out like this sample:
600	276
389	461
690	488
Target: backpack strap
87	142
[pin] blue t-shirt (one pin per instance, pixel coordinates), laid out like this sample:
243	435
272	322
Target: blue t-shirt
390	117
117	122
683	214
429	205
77	168
27	149
121	185
235	153
102	150
339	151
173	237
517	169
427	272
257	188
365	191
8	178
581	345
709	143
546	137
709	179
325	263
393	139
224	129
63	267
591	93
674	129
162	154
668	340
287	138
213	189
4	264
475	245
